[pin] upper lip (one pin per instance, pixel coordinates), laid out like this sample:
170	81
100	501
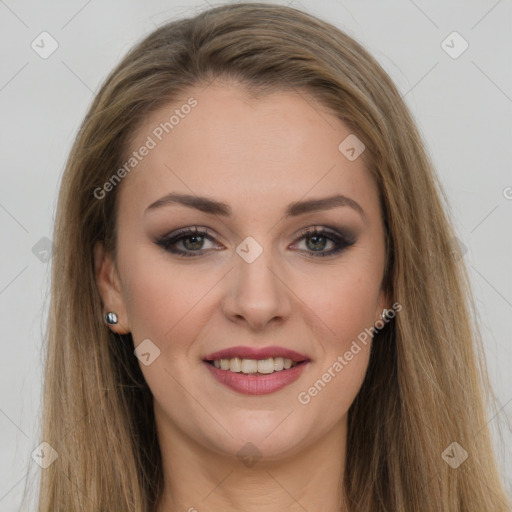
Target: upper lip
256	353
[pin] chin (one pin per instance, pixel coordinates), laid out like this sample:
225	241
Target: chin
262	435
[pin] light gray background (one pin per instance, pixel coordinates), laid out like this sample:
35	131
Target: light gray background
463	107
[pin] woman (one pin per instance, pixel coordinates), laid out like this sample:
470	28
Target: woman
256	304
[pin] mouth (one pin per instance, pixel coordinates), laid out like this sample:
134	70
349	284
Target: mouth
255	366
256	371
256	361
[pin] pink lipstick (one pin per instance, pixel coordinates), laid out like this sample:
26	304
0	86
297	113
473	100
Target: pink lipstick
256	371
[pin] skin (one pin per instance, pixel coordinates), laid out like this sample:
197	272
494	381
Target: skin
258	156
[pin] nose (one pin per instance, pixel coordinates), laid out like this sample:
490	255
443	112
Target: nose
257	292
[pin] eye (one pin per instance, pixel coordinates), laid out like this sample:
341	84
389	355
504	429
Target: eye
316	240
192	241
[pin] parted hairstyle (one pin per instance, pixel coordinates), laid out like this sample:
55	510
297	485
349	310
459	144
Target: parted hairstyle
426	385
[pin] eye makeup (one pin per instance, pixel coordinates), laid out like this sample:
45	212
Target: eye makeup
192	240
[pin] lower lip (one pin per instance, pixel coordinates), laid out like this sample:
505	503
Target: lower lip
256	384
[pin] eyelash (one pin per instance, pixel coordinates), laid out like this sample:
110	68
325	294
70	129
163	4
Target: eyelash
342	241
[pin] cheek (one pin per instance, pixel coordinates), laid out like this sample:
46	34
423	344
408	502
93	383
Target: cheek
335	385
163	300
345	349
168	305
346	310
344	303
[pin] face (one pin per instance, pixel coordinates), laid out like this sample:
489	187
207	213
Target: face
255	275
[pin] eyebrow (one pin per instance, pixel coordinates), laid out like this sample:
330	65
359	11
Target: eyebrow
210	206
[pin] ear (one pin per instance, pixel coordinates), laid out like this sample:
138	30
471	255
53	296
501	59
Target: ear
107	279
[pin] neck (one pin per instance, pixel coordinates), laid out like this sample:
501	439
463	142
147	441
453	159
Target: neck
197	479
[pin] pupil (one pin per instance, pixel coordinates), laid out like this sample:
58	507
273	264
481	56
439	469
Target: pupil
194	237
316	237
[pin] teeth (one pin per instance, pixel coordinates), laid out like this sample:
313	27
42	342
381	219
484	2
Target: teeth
248	366
266	365
278	364
235	364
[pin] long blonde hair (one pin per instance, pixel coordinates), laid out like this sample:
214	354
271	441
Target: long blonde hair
426	384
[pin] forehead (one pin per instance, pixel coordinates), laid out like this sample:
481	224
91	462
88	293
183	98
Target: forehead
220	141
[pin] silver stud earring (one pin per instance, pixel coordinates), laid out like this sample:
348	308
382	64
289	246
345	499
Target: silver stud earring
384	314
111	318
